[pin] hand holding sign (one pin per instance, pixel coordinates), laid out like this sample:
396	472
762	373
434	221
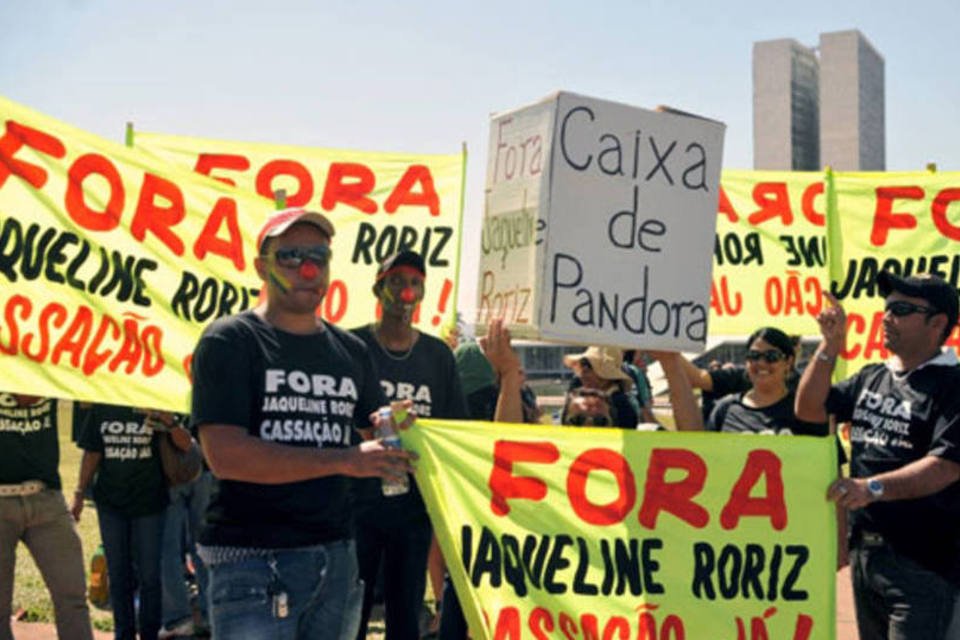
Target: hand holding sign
496	346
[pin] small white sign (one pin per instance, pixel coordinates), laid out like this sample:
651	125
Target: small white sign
599	223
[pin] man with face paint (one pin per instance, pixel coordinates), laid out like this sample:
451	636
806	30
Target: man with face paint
277	396
395	531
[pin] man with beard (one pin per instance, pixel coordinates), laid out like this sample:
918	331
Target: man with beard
903	495
394	531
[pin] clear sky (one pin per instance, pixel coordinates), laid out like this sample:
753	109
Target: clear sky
424	76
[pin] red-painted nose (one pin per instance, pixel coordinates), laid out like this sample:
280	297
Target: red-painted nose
407	295
308	271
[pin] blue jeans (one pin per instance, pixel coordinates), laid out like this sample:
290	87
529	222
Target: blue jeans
132	547
43	523
321	584
896	598
184	518
403	549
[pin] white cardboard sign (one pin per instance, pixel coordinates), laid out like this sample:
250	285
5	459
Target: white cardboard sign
599	222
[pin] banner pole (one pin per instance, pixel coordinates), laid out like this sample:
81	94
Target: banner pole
463	199
128	135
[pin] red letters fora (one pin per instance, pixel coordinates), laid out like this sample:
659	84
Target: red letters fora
159	207
347	183
761	467
773	200
885	218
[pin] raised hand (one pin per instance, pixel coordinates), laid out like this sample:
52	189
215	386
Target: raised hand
497	347
833	325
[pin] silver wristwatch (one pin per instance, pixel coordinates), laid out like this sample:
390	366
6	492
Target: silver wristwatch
875	487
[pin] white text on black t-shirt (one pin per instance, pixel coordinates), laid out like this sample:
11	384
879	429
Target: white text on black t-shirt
888	419
317	400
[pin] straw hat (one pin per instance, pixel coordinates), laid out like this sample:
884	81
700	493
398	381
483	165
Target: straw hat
605	361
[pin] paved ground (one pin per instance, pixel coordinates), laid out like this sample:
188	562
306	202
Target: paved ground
846	624
846	619
43	631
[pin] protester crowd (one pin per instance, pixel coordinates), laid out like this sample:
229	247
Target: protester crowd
305	509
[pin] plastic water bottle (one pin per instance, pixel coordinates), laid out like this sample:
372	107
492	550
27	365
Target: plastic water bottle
387	433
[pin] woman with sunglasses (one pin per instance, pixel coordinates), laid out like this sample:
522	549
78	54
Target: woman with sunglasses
767	406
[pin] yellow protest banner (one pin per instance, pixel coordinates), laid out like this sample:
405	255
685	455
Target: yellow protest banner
770	257
904	222
553	532
378	202
111	263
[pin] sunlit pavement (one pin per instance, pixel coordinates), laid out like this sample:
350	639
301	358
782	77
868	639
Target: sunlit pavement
846	619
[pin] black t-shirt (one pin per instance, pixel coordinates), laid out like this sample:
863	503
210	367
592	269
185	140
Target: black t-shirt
726	380
427	375
297	390
29	449
734	379
731	415
130	477
897	419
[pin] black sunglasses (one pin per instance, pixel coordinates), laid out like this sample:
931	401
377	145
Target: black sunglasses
293	257
901	308
583	419
770	355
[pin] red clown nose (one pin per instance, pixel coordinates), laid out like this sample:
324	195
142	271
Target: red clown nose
407	295
308	271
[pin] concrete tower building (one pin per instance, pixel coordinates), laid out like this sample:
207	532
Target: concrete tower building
810	111
785	106
851	103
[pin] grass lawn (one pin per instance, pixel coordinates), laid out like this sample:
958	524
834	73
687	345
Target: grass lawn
29	592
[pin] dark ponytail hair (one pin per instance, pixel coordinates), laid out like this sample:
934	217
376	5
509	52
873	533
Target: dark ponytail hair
774	336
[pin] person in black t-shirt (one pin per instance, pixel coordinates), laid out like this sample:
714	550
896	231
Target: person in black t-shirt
720	379
121	460
32	510
903	493
767	405
277	397
394	533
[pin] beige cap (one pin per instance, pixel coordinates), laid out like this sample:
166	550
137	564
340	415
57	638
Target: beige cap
605	361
